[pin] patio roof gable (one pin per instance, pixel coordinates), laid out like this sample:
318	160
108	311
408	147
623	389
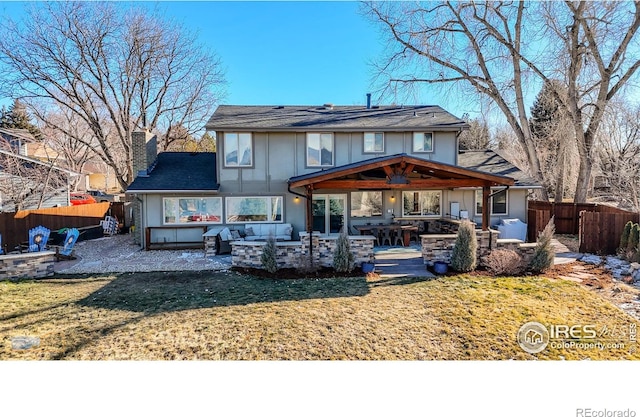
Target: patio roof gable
398	171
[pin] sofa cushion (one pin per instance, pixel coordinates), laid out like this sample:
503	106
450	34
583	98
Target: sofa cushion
248	231
225	234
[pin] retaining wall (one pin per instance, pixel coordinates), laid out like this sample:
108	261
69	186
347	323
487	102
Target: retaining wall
247	254
26	265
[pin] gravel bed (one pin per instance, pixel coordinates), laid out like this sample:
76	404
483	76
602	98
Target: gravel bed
119	254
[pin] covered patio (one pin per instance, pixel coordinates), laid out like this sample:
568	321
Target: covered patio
397	172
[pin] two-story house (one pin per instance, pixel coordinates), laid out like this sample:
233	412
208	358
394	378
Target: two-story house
323	168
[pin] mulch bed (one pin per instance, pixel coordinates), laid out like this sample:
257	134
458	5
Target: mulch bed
292	273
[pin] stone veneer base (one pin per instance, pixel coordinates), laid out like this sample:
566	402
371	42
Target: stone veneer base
247	254
20	266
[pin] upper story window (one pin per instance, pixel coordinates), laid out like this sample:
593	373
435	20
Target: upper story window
422	142
319	149
373	142
499	203
238	150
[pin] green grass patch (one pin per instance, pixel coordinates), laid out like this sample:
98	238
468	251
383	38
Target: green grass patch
230	316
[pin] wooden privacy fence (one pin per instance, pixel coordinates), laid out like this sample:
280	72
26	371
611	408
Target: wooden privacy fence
14	227
567	215
536	221
600	232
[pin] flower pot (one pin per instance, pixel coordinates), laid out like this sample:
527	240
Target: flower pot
368	267
440	267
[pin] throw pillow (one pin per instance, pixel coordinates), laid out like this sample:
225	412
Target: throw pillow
235	234
288	230
248	231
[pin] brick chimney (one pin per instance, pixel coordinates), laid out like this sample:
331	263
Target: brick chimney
144	147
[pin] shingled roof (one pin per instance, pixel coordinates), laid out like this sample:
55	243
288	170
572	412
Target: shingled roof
335	118
179	172
493	163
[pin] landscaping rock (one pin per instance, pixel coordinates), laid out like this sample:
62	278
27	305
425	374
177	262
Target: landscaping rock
591	259
24	342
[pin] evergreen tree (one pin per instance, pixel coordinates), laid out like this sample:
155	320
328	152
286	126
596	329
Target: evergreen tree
16	117
342	257
464	255
624	239
545	124
269	256
207	143
543	253
634	240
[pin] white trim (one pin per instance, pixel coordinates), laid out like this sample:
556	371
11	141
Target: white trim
36	161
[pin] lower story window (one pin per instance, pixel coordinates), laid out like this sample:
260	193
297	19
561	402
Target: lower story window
498	203
254	209
421	203
190	210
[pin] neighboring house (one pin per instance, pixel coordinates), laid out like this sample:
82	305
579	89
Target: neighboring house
324	168
100	176
19	140
30	183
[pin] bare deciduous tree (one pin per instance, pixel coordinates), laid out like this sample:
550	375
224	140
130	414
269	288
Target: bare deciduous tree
618	148
554	138
116	67
477	137
62	130
501	49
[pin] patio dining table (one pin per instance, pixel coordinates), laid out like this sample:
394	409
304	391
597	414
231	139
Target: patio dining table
406	230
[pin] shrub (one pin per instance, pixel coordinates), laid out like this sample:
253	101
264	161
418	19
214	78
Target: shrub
342	257
504	262
634	240
464	254
624	239
543	254
269	256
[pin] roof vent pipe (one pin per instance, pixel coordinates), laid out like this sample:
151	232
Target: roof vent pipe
368	100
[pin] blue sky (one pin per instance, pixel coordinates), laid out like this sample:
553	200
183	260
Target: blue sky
289	52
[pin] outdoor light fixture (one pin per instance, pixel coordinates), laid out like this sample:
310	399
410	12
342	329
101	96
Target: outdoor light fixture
393	198
297	199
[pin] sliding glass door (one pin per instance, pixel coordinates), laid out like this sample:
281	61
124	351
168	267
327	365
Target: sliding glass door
329	212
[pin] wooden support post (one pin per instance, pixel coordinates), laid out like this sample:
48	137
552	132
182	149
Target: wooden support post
486	208
309	219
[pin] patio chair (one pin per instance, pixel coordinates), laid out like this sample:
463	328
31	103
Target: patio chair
38	237
387	236
64	251
109	225
375	232
398	237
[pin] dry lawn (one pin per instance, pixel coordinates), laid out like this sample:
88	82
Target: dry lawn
228	316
